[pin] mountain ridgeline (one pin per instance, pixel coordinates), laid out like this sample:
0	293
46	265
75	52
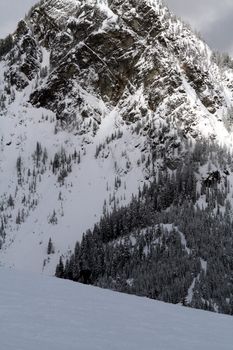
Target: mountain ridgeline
116	120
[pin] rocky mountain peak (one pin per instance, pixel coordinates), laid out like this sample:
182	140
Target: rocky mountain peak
112	49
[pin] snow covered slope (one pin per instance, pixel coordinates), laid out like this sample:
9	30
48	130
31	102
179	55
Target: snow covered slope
89	92
39	312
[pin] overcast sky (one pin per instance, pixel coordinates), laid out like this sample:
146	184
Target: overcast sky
213	18
11	11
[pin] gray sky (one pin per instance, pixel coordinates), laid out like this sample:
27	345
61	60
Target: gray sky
11	11
213	18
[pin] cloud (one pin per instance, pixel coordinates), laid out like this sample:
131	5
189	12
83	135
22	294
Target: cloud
213	18
220	32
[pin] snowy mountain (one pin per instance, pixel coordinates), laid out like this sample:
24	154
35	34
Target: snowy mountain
39	312
97	99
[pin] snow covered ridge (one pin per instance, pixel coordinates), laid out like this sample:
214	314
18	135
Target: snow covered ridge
114	53
88	92
47	313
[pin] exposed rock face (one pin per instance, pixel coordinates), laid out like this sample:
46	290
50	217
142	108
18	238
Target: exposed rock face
113	49
24	58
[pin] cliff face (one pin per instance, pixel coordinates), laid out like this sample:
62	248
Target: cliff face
115	51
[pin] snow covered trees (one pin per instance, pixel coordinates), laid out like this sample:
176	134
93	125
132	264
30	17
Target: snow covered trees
50	248
157	244
60	269
6	45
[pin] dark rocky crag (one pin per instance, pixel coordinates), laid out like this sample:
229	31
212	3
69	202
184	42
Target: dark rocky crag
113	49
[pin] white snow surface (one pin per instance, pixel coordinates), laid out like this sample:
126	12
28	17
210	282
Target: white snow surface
40	312
82	197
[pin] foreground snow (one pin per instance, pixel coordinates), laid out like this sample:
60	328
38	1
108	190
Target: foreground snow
39	312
